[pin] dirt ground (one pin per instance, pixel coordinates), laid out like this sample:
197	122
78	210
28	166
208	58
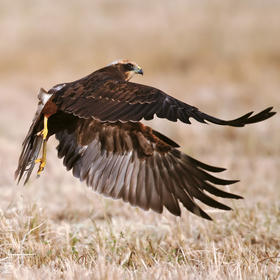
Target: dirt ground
220	56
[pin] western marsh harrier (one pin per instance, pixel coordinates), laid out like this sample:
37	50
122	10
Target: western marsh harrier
96	121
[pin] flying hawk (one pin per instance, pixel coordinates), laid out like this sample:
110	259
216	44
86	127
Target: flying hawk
96	121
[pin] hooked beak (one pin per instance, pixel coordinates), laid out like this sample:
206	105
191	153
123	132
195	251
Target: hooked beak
138	70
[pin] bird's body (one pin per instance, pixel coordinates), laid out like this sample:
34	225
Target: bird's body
97	122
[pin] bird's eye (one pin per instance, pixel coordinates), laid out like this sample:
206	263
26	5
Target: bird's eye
129	66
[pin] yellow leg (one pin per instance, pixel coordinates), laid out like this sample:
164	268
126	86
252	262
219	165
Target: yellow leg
45	131
44	134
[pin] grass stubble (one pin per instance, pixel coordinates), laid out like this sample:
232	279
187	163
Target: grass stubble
57	228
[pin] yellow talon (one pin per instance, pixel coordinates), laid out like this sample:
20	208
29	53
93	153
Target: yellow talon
42	160
42	165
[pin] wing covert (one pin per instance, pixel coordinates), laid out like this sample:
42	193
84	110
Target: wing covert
117	100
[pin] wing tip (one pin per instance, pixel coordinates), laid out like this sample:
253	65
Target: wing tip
205	215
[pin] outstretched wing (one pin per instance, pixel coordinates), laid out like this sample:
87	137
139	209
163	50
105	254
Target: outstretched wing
143	167
117	100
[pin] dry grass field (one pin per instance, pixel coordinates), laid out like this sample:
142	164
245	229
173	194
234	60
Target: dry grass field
221	56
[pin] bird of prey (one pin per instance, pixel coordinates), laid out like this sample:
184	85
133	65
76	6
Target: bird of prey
96	121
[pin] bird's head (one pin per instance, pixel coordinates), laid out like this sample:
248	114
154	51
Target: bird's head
128	68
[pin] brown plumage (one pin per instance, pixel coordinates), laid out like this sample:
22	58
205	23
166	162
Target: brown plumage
96	121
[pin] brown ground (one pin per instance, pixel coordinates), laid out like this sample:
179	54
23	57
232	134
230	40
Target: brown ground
221	56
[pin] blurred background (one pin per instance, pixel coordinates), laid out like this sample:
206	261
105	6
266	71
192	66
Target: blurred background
221	56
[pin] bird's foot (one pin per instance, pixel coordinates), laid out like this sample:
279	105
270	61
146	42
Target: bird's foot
41	166
43	159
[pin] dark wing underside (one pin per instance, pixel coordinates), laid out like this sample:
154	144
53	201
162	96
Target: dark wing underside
132	162
116	100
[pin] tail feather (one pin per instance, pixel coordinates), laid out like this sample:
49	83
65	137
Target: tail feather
32	143
31	149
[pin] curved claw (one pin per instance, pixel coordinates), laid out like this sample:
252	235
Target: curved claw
42	165
43	160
